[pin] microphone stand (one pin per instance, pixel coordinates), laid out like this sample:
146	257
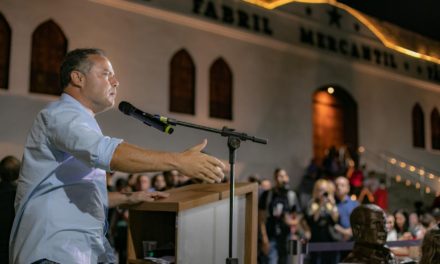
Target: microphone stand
234	140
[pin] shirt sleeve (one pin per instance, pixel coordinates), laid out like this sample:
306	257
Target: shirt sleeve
79	135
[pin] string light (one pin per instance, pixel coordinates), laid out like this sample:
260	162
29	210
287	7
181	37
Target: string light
361	149
330	90
418	170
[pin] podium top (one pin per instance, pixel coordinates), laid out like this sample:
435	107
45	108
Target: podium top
194	195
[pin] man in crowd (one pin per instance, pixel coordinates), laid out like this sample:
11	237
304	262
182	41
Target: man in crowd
61	197
345	207
9	169
278	214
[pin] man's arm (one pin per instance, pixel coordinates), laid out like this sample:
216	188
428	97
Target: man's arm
347	233
192	162
262	216
117	198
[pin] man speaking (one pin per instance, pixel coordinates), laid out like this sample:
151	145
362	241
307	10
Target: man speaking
62	200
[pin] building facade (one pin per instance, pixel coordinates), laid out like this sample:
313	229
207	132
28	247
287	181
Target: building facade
264	72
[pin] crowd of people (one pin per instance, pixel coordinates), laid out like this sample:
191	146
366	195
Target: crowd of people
320	210
283	214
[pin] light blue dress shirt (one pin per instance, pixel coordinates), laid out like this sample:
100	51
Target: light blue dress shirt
61	194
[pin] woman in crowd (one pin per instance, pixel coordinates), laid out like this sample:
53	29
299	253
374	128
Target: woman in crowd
402	224
402	228
322	215
158	182
392	234
415	227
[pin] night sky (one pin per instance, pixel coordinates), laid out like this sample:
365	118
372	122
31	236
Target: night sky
421	16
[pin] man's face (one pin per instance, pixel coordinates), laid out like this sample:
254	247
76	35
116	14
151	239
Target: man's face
100	84
144	183
173	178
282	178
342	187
266	185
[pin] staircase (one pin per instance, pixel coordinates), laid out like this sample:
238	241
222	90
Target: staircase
407	181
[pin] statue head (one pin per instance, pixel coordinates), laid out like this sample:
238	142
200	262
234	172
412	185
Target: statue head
368	223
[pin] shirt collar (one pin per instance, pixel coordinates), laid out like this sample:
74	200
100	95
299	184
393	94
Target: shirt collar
68	98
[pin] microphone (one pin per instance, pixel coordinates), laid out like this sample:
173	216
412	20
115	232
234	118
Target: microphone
146	118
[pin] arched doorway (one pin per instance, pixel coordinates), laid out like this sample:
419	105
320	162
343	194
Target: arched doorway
334	121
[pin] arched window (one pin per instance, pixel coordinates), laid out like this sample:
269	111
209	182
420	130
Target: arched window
182	83
5	49
220	90
49	46
418	126
435	129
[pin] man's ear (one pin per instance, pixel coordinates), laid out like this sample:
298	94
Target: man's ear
77	78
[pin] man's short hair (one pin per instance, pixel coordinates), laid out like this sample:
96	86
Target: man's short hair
76	60
9	168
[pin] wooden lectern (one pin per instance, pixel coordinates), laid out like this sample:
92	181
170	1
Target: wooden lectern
193	224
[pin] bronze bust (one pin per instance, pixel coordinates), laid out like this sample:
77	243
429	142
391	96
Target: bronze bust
368	223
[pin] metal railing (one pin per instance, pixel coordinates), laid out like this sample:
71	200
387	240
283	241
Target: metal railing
304	248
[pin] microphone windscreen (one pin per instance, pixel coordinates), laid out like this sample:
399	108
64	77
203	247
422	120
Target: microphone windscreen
126	107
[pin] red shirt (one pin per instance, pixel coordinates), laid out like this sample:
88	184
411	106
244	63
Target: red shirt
381	198
356	178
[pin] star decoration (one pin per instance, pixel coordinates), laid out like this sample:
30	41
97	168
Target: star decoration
335	17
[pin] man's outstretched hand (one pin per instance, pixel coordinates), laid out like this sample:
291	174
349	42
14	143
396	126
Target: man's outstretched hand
193	163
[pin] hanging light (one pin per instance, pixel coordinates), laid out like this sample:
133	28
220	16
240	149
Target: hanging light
361	149
417	185
427	190
422	172
402	164
398	178
431	176
393	161
408	183
412	168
